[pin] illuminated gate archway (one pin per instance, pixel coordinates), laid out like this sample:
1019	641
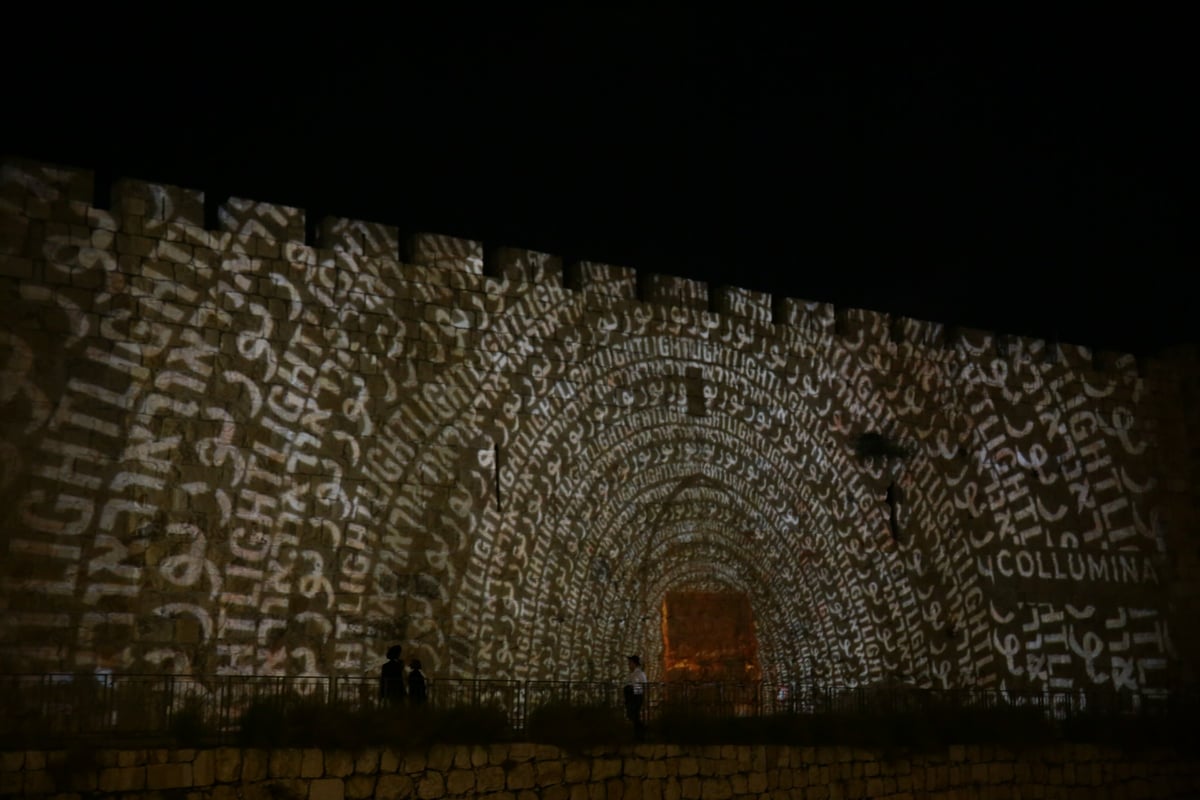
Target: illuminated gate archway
709	636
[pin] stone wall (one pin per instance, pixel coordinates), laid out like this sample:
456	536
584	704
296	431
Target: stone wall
644	772
232	451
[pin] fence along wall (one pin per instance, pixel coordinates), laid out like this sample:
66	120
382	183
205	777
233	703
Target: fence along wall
225	451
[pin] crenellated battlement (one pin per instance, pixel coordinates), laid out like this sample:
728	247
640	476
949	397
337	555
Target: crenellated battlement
167	222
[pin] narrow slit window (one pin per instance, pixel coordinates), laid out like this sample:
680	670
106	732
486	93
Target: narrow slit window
496	475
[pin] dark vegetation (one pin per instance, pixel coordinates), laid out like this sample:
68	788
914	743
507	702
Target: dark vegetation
922	722
895	730
303	722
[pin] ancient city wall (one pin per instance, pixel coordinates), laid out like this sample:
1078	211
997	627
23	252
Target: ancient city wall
645	772
230	451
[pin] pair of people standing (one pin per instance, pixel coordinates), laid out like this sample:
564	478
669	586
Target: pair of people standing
391	679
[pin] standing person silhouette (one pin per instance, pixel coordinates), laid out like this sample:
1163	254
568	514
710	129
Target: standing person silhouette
391	677
416	683
635	696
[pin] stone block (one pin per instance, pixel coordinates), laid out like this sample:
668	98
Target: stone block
522	751
12	761
122	779
39	782
228	764
393	787
446	252
716	789
360	787
520	776
254	765
489	779
12	783
204	768
271	221
357	237
285	763
864	326
1000	772
549	772
431	785
786	777
158	202
462	757
226	793
604	279
460	781
312	763
339	764
277	789
673	291
49	183
516	264
743	304
390	761
367	762
327	789
803	314
578	770
168	776
917	333
605	768
440	757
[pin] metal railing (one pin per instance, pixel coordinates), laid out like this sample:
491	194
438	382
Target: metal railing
73	705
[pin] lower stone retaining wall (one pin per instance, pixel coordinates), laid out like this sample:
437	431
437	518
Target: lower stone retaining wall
642	772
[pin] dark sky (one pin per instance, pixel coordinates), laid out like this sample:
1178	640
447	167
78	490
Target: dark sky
1024	174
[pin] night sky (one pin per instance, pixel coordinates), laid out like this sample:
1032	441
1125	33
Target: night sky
1021	174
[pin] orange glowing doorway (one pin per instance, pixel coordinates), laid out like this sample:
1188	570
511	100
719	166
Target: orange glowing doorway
709	636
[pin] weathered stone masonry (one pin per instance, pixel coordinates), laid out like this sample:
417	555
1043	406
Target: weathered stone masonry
228	451
644	772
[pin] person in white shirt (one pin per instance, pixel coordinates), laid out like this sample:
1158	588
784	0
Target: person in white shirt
635	696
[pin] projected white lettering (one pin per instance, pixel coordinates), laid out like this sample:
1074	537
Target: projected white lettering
229	452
